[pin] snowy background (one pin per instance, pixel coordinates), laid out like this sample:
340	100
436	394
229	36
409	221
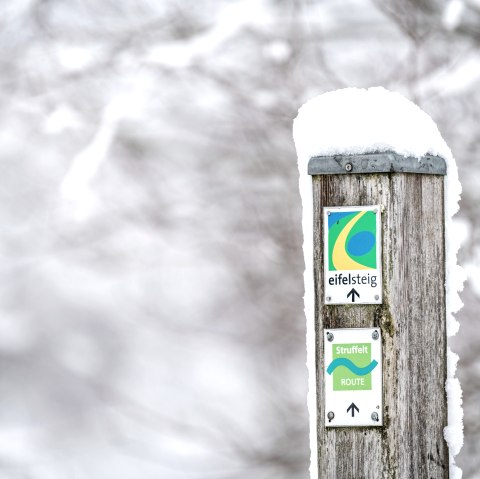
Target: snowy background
151	314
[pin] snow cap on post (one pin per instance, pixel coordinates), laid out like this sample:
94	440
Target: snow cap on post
356	121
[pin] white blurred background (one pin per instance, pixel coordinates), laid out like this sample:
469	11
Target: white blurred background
151	313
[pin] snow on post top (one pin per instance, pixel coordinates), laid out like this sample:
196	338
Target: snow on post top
357	120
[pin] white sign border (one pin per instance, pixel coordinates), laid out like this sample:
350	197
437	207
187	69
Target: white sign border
339	401
378	290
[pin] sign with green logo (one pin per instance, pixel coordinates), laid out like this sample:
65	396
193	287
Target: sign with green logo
352	366
353	378
352	255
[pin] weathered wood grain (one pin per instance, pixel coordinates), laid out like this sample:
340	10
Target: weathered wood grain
412	319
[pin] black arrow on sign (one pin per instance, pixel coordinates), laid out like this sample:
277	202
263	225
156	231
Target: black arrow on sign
353	407
352	293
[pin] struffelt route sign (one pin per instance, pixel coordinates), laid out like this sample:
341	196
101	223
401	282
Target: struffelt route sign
353	377
352	255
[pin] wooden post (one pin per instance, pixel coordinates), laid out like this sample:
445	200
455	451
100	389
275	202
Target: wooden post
410	444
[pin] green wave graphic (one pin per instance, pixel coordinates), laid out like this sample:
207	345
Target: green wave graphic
351	366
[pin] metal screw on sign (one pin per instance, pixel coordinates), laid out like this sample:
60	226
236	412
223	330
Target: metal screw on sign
330	337
348	167
329	298
330	416
375	335
377	297
375	416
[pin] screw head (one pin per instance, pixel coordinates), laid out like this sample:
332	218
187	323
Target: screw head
374	416
328	298
329	213
330	416
348	167
375	334
330	336
377	297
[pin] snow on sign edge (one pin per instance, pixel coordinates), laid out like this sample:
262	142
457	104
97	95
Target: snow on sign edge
356	121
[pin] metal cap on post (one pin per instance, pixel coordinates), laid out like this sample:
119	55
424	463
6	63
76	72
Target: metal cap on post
387	162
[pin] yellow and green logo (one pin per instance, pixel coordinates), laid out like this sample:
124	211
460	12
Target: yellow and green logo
352	240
